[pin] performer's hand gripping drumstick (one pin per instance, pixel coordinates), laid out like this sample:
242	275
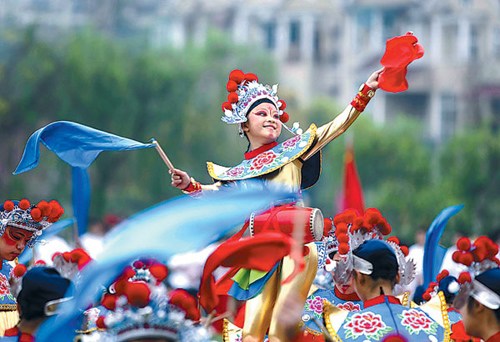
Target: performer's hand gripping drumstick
180	179
163	156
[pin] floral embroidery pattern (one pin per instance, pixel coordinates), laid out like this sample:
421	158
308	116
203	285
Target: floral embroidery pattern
349	306
235	171
268	160
366	324
416	321
4	288
315	305
262	159
290	143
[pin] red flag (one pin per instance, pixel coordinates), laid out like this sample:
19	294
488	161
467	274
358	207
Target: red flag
352	192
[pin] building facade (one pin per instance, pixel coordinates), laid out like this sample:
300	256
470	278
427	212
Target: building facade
324	47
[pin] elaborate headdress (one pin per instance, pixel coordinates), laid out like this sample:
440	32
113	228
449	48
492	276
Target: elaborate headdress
445	283
245	90
483	271
34	218
140	305
40	290
352	230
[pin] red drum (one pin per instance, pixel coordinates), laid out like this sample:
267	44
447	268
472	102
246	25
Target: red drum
283	218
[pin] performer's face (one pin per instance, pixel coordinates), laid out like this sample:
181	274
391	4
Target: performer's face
263	125
13	242
471	316
345	288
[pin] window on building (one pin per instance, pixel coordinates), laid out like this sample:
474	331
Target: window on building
474	43
270	35
294	47
317	53
496	42
363	25
449	46
294	32
448	115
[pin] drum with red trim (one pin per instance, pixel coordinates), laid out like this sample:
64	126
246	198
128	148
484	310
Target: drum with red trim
283	218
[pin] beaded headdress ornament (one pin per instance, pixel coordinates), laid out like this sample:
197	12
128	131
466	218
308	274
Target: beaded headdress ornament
33	218
244	90
140	305
352	230
479	257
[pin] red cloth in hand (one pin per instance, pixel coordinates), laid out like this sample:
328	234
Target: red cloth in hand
399	53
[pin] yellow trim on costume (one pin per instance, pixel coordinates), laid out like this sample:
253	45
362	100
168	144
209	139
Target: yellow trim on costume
331	310
8	307
211	166
405	298
446	317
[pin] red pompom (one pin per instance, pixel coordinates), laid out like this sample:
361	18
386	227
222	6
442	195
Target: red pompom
159	271
405	250
347	216
138	264
284	117
40	262
466	259
357	224
128	273
120	286
283	104
109	301
464	277
251	77
137	293
480	253
227	105
343	238
67	256
463	244
100	323
384	227
183	300
456	256
232	97
426	296
443	274
394	239
341	228
44	207
237	76
24	204
8	205
231	86
36	214
372	216
343	248
56	211
19	270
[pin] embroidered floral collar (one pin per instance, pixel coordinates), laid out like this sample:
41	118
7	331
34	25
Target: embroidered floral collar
267	160
264	148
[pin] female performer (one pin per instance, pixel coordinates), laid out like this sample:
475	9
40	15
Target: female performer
294	164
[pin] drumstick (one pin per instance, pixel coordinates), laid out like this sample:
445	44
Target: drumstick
163	156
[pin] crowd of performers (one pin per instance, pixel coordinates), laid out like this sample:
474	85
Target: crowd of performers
289	274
